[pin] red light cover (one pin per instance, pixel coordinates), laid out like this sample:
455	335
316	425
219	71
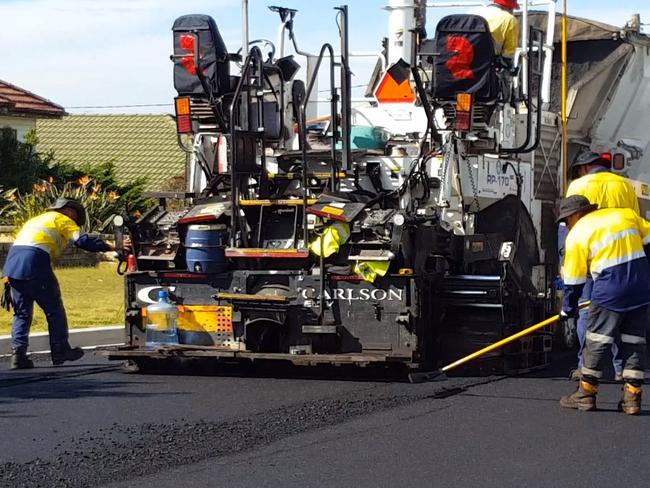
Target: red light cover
183	124
186	42
463	121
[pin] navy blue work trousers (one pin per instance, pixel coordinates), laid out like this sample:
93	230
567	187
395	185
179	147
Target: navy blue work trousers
45	291
581	326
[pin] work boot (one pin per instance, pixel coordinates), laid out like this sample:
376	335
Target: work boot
584	399
618	377
67	354
20	360
631	401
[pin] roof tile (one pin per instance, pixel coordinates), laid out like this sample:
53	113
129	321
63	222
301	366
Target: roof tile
18	101
139	145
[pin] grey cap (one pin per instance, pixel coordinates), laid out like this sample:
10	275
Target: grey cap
573	204
73	204
589	157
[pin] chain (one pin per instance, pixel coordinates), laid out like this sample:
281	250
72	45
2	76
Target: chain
445	168
474	188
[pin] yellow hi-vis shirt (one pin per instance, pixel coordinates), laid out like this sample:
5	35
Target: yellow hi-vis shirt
51	232
504	28
333	237
605	189
370	270
610	245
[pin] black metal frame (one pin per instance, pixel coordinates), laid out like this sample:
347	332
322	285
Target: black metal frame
346	95
254	58
333	126
535	36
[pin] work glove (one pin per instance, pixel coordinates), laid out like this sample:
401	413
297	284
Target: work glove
569	329
568	314
6	301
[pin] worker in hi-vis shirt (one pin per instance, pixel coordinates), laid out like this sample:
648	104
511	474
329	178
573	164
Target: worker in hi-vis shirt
31	279
504	26
592	178
611	246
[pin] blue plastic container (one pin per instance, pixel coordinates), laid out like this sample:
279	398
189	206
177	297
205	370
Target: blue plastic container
205	248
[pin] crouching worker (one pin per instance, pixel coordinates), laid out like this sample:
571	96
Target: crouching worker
31	279
610	245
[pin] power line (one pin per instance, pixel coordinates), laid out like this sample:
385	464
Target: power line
364	85
165	104
123	106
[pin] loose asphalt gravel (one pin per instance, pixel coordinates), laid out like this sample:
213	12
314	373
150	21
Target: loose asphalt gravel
93	425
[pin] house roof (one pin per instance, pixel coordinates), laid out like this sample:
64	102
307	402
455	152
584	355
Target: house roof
138	145
17	101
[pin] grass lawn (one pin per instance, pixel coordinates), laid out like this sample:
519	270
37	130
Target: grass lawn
92	297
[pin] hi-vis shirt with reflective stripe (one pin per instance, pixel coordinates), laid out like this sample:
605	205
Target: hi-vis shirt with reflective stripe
51	232
610	245
605	189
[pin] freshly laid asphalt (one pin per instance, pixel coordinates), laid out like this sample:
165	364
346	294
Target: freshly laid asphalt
90	424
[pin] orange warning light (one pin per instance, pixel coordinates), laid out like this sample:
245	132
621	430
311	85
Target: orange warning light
463	102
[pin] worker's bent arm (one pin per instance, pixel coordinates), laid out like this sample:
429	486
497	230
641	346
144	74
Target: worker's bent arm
511	40
71	232
90	243
572	294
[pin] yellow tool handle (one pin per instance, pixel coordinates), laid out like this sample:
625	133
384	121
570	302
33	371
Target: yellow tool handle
507	340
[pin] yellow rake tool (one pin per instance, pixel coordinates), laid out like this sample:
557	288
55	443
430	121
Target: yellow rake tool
423	376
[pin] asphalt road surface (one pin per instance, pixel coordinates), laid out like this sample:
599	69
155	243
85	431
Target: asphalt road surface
92	425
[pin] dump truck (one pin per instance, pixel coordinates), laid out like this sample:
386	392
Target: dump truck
407	227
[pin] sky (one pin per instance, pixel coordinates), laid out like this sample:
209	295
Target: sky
103	53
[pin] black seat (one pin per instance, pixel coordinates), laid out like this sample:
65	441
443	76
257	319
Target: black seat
213	56
465	61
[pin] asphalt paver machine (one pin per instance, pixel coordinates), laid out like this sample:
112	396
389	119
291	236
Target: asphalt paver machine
405	228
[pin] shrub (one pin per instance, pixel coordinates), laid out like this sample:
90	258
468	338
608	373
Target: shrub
100	203
20	164
103	175
36	180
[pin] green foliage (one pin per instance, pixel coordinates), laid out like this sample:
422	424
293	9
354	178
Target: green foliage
35	181
130	194
99	202
20	164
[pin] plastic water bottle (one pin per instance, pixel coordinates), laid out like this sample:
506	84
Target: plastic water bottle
161	323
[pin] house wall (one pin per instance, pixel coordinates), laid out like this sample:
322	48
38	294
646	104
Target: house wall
21	124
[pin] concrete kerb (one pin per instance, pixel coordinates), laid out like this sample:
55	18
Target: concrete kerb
87	338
